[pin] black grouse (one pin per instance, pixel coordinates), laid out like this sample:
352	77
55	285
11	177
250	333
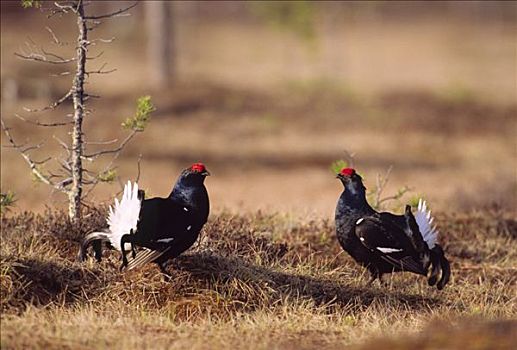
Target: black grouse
162	227
384	242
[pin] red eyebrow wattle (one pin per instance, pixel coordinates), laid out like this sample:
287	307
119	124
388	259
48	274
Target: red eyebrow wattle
347	171
200	167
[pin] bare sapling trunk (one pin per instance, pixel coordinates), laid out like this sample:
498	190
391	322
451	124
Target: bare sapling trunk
74	195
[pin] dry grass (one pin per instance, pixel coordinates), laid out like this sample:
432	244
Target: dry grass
434	98
256	281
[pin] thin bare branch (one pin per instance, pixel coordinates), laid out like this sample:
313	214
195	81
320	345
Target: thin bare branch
63	144
398	195
31	148
54	36
43	161
61	185
51	175
52	54
138	168
38	123
117	13
96	56
96	180
92	187
54	11
116	153
109	142
381	184
112	151
41	58
104	41
63	7
65	166
101	71
91	95
32	164
52	106
60	74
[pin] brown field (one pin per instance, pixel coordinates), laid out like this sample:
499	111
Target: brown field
428	89
254	282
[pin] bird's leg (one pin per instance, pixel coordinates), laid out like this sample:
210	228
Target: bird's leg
123	240
446	274
97	250
435	268
444	266
133	249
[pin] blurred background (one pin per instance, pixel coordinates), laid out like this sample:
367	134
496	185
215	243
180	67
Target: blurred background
269	94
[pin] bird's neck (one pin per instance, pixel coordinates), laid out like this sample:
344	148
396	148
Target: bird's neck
187	190
354	197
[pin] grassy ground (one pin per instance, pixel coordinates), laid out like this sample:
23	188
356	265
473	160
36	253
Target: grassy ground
254	282
433	97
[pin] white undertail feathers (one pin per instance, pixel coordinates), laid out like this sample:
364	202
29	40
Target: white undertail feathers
123	215
388	250
425	224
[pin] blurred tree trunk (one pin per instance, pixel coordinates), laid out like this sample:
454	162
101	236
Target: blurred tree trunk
160	52
78	95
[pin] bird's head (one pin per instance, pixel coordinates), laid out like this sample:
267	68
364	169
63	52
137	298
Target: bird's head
196	170
347	174
190	179
350	178
193	175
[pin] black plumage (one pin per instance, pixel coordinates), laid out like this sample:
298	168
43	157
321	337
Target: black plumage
384	242
166	227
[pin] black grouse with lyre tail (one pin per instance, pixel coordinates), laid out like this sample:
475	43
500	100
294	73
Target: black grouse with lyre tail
384	242
162	228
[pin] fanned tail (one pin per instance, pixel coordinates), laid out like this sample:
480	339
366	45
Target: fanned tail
95	238
122	219
124	214
425	224
145	256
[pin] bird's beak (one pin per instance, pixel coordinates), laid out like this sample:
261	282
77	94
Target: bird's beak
205	173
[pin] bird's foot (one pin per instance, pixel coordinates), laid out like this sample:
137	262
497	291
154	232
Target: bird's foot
97	250
124	262
440	268
133	250
444	267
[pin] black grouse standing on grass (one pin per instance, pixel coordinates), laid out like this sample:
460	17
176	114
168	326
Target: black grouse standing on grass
384	242
163	227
